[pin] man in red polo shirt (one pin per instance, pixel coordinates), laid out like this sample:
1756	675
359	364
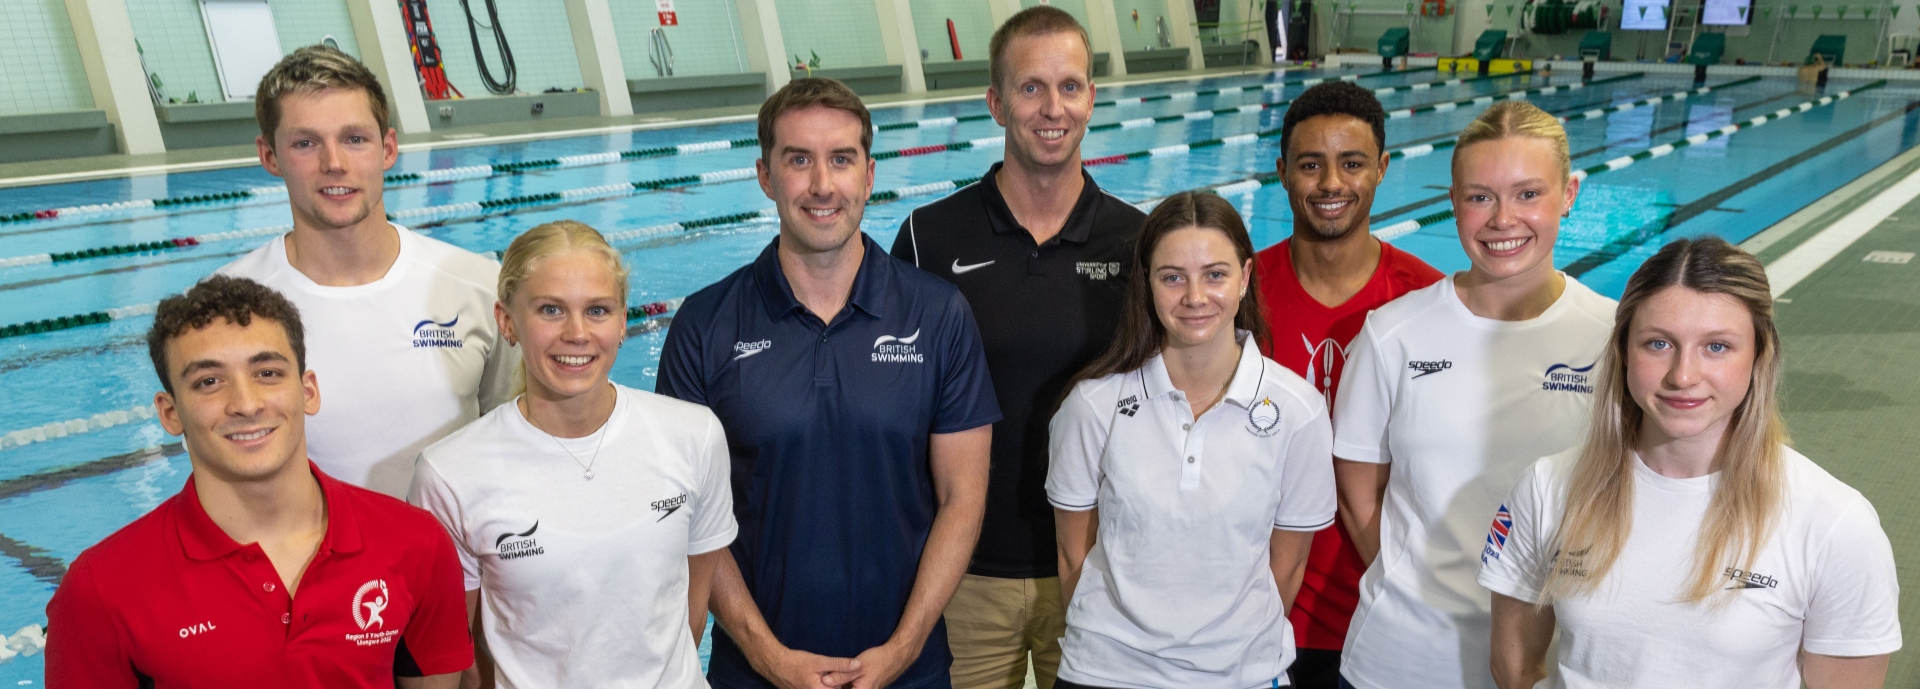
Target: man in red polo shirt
262	571
1318	287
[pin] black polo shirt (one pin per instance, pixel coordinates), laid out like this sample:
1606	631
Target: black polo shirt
828	424
1045	311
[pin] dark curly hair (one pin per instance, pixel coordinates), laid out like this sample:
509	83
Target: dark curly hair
238	300
1336	98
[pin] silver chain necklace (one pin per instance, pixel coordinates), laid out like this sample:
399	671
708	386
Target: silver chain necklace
586	466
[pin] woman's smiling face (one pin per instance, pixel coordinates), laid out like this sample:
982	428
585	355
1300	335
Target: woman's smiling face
1508	197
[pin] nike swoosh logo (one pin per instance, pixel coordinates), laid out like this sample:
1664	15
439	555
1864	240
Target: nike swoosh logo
958	269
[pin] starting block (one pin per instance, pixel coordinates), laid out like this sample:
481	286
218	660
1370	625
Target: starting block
1495	66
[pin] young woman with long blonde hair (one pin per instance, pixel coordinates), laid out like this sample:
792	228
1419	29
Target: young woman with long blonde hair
1449	393
1684	544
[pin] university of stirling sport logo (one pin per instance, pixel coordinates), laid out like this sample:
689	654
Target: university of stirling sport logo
432	333
369	601
1497	535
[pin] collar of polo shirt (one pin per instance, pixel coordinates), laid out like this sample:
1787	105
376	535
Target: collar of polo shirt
776	292
204	540
1246	375
1079	225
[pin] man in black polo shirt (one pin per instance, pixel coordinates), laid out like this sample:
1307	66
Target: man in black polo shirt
1040	253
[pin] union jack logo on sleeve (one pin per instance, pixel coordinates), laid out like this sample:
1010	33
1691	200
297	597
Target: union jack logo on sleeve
1497	535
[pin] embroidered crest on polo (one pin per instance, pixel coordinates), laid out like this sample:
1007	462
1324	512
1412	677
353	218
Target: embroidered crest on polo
1097	270
366	613
438	335
889	349
1263	418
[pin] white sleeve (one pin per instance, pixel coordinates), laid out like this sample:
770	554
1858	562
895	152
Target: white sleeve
496	378
430	492
713	526
1078	438
1364	403
1855	606
1514	561
1307	496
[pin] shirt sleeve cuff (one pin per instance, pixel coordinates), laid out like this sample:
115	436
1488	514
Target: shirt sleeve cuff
1852	648
713	543
1304	524
1509	588
444	663
967	425
1074	504
1355	453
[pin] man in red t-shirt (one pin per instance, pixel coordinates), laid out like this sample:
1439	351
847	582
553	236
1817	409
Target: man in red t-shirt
262	571
1318	287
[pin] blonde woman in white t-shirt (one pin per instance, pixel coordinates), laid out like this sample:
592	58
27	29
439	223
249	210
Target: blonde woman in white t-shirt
1187	474
1684	544
588	516
1450	392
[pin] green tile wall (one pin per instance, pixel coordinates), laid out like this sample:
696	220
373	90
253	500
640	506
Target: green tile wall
305	22
1077	8
706	41
846	33
972	20
42	65
1144	34
536	31
174	40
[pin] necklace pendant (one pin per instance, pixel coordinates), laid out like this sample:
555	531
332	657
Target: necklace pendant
589	474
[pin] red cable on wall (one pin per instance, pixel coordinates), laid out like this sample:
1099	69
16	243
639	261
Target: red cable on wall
426	51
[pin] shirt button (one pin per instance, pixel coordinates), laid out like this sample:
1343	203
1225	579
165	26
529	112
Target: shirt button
1189	460
1186	427
286	618
268	587
1036	254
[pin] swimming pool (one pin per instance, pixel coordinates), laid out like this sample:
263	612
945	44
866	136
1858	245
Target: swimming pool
59	495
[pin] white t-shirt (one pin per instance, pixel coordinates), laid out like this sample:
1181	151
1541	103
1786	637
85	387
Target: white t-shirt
1178	590
1459	405
584	581
402	361
1824	581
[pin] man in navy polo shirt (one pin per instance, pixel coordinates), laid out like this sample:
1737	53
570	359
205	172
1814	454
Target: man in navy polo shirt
854	393
262	571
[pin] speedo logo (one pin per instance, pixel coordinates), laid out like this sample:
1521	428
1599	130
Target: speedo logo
1427	368
522	545
1743	579
1569	379
743	350
668	506
440	335
898	350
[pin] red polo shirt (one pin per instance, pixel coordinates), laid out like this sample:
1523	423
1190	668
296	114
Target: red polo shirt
1311	338
173	599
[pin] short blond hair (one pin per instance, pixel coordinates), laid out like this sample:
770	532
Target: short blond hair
311	69
1518	118
1038	20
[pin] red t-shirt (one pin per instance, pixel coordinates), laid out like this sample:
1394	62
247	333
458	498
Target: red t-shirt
1311	338
173	599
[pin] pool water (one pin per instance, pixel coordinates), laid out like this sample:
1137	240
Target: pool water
62	494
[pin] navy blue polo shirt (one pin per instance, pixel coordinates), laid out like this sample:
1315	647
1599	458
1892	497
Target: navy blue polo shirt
828	426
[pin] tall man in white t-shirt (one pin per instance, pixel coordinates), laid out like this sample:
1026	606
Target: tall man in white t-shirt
399	325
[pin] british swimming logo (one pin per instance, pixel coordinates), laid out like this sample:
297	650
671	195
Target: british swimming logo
1566	378
888	349
1497	535
1428	368
432	333
521	545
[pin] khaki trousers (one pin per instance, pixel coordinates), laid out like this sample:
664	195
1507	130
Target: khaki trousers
994	625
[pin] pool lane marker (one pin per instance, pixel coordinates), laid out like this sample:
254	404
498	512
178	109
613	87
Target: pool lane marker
606	191
1406	227
470	172
67	322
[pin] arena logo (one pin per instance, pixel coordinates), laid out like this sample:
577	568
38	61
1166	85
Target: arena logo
525	546
898	350
1097	270
440	335
1565	378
